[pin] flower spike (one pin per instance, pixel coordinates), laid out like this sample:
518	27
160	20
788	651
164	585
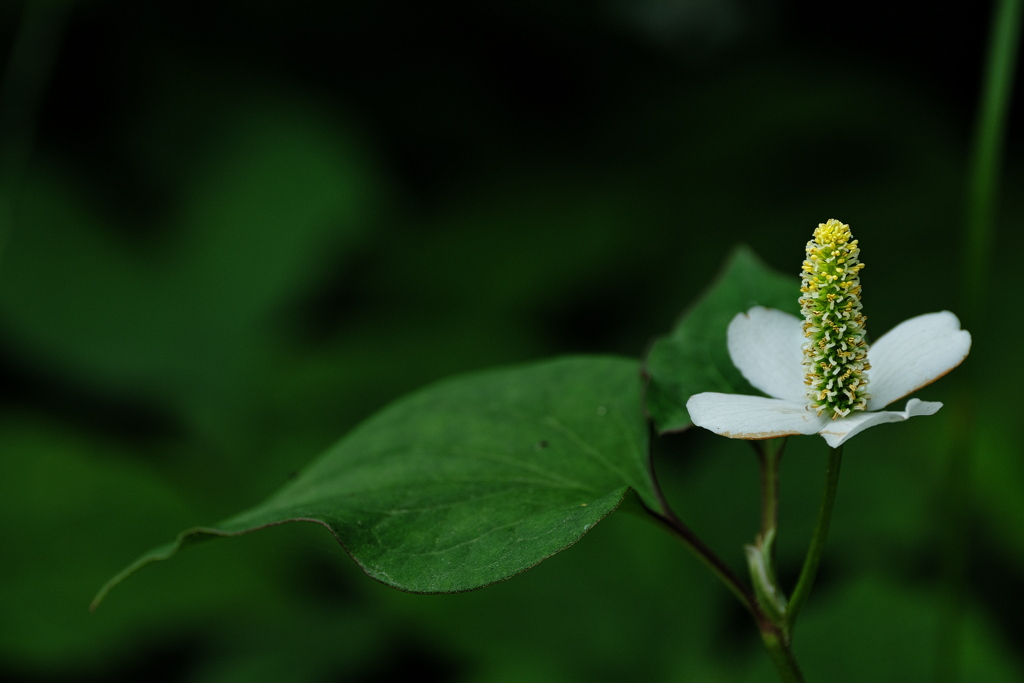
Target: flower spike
835	352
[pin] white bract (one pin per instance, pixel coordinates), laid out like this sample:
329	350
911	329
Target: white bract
820	374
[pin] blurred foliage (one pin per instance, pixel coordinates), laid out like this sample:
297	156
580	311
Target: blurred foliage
245	227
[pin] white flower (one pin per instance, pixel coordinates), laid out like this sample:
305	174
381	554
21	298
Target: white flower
767	346
822	376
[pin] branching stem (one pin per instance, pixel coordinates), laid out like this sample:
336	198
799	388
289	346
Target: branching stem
782	657
667	517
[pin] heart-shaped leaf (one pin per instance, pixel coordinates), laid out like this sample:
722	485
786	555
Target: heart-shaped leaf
694	357
472	480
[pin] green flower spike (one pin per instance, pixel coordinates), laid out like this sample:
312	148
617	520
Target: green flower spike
835	353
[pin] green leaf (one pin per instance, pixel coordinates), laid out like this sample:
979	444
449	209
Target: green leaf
470	481
693	358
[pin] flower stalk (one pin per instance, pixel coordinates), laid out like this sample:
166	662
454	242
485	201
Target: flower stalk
769	455
817	547
761	554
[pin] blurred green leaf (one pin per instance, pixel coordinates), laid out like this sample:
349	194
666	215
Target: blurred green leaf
73	508
693	357
193	320
470	481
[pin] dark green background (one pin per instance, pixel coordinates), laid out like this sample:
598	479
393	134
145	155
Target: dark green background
246	226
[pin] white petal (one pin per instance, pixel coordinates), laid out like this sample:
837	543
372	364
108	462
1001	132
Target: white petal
766	345
914	354
752	417
838	431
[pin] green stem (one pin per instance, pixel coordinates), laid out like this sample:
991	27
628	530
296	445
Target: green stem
773	627
769	458
817	547
667	517
986	155
761	555
725	574
782	657
981	211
